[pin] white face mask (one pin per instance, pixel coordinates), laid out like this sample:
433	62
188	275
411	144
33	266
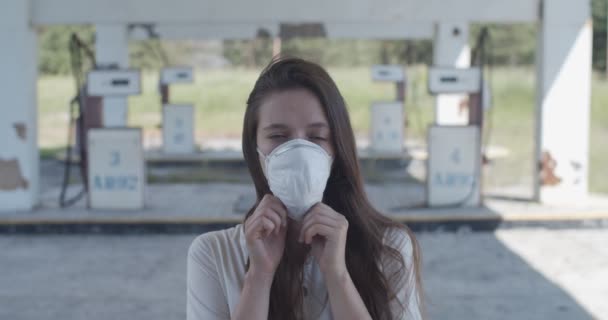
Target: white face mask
297	173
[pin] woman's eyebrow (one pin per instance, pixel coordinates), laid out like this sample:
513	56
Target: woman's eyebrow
275	126
318	125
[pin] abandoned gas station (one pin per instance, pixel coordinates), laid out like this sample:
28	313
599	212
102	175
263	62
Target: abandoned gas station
563	77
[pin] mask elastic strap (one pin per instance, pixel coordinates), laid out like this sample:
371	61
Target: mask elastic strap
261	153
263	164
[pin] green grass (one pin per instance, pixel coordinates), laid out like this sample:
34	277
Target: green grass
220	95
598	145
511	124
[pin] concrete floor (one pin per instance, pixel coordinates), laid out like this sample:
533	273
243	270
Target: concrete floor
521	273
509	274
396	194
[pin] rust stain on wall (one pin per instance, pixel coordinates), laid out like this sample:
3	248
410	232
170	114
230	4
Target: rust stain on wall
11	177
21	130
463	104
547	170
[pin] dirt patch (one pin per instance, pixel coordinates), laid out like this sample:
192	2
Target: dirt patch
12	178
21	130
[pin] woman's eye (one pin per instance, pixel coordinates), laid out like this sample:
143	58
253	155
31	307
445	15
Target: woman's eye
276	136
319	138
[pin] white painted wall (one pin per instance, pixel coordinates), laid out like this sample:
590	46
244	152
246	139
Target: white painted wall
451	50
19	169
564	92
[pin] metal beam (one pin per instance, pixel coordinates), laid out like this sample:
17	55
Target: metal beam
46	12
390	30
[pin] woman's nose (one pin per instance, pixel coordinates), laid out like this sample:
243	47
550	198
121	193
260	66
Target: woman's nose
301	135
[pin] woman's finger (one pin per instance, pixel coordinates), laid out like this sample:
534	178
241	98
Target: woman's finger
259	226
252	227
317	229
268	226
275	217
249	223
271	202
323	209
278	207
318	219
264	203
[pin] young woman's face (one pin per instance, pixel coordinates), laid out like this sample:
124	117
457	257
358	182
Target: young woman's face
292	114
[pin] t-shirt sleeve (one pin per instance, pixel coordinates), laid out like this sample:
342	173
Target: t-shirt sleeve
406	305
205	298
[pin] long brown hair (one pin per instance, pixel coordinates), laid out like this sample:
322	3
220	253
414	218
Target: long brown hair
344	193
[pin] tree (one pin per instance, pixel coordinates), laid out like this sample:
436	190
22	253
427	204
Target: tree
599	9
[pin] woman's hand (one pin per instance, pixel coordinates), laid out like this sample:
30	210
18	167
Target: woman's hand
325	230
265	232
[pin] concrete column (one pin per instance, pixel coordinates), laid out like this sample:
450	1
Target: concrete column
19	160
451	49
112	48
563	101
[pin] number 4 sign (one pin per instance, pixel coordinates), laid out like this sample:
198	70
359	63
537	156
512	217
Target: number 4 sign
454	166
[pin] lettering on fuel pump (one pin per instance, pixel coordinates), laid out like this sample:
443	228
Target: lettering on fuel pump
453	178
115	182
178	138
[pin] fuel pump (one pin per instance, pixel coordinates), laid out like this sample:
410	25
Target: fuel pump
388	117
93	83
455	152
116	166
178	119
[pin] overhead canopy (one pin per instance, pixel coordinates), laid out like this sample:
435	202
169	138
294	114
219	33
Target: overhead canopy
245	18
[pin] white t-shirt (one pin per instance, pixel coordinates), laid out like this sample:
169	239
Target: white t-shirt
216	272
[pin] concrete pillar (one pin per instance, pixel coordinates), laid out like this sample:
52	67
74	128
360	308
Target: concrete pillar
19	160
563	101
451	49
112	48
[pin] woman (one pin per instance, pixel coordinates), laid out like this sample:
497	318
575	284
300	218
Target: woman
312	247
